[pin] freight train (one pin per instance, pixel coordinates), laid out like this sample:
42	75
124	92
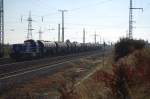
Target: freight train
31	49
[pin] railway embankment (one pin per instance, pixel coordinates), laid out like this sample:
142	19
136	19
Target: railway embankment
123	74
61	84
128	76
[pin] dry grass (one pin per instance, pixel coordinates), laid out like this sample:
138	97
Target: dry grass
90	89
129	78
93	89
57	86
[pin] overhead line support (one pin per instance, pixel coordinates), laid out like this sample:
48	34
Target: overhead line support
1	28
62	11
131	8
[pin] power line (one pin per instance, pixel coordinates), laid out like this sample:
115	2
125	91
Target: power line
54	13
74	9
90	5
41	4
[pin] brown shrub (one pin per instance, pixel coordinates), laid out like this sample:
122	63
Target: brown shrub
126	77
126	46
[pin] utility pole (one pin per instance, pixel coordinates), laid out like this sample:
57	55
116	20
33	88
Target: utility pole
40	34
58	32
29	35
84	35
51	29
131	8
95	36
100	40
104	44
1	28
62	11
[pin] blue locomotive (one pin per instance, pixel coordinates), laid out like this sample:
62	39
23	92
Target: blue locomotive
31	49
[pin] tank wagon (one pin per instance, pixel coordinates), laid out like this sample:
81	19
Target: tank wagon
31	49
17	50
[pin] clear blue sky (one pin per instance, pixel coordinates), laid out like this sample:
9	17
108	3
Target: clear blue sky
108	18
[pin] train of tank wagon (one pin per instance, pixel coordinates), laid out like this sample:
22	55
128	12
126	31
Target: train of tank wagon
31	49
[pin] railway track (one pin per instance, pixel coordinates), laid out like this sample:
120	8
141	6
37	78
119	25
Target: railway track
20	66
5	61
25	71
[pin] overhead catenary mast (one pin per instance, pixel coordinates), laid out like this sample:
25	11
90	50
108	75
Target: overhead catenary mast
84	35
62	11
1	28
29	35
51	29
95	37
100	39
131	8
40	34
58	32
